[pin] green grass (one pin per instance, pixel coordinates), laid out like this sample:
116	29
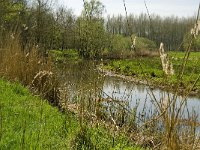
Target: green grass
150	68
68	54
28	122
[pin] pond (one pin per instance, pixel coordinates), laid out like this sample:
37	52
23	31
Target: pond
83	80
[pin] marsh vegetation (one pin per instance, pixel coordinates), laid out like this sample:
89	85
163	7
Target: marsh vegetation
94	87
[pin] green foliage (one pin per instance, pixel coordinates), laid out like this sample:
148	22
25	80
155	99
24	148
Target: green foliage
122	147
145	44
93	9
40	24
119	43
120	47
62	55
92	34
169	30
139	67
10	10
93	39
83	140
150	68
65	29
28	122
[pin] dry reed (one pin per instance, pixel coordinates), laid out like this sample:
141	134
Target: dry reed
28	67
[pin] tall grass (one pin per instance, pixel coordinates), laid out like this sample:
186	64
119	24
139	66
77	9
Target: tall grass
29	67
28	122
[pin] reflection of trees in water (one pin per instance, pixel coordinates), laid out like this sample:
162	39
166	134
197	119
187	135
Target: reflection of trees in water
118	84
141	88
83	86
112	82
80	79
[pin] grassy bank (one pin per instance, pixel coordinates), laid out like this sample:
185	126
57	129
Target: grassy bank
28	122
62	55
150	68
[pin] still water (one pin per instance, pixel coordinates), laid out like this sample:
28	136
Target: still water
83	78
142	97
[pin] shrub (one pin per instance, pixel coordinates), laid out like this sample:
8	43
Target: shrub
145	44
119	43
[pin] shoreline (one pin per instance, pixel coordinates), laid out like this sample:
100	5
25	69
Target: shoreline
151	84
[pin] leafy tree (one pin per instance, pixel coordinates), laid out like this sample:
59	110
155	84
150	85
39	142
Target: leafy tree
92	34
66	23
93	38
10	11
41	24
93	9
10	18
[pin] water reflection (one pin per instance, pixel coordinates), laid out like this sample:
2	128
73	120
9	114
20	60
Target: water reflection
144	98
82	81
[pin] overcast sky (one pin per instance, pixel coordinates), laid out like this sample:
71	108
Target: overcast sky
162	7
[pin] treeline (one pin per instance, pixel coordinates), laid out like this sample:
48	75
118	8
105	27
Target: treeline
169	30
38	23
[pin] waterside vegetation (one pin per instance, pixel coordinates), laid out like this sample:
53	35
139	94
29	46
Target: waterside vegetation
35	36
29	122
149	69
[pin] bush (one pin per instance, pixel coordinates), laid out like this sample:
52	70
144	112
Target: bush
119	43
145	44
120	47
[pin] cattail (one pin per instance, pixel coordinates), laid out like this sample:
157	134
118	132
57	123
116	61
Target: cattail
166	65
134	43
196	29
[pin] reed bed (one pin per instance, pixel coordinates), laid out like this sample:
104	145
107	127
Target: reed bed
29	67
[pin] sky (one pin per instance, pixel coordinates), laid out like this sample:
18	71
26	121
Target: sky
181	8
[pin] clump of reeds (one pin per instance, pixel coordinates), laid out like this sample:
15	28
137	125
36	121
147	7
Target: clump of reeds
166	64
29	67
